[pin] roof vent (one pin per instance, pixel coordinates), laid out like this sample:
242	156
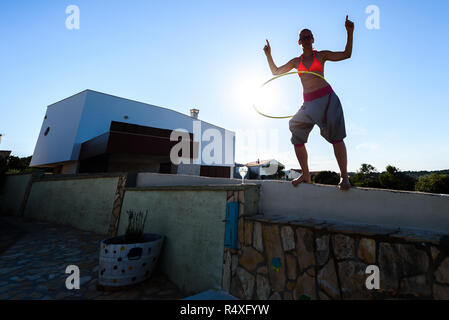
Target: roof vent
194	113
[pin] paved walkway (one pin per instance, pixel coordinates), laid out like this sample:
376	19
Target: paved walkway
35	254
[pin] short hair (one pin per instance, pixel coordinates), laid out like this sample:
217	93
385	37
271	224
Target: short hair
305	30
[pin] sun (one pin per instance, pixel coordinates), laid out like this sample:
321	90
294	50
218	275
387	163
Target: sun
248	92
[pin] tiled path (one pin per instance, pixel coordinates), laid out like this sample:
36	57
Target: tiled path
35	254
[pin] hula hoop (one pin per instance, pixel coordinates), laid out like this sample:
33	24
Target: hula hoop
276	77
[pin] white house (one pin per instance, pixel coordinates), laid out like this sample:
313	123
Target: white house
262	168
96	132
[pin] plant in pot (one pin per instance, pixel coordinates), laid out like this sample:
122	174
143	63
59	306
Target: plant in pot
130	258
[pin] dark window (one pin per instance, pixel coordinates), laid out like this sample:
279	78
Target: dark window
165	167
215	171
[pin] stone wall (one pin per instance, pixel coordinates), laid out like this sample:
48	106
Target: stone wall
290	258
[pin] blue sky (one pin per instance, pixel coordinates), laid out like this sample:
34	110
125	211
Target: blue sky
204	54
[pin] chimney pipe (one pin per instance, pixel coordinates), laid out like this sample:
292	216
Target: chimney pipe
194	113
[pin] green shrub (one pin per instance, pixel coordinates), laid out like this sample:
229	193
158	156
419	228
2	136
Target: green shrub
366	176
326	177
434	183
396	180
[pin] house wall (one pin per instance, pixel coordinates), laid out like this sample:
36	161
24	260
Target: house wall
189	169
88	114
12	193
83	202
100	109
63	119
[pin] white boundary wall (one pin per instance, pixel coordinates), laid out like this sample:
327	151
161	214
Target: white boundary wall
401	209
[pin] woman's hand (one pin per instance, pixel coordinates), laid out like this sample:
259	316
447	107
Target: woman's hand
267	49
349	25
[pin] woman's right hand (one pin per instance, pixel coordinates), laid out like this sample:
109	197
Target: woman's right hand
267	49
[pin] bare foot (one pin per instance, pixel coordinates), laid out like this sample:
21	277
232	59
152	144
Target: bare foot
344	184
301	179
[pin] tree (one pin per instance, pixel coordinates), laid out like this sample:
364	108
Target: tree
326	177
434	183
3	166
366	176
13	164
367	169
19	164
396	180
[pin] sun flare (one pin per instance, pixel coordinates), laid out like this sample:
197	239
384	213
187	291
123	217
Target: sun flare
277	98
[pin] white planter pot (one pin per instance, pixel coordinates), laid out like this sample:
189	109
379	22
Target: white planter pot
126	264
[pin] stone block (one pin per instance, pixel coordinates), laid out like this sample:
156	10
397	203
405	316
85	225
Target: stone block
327	280
322	249
247	280
227	271
353	280
274	253
234	263
442	272
248	232
323	296
263	288
275	296
250	259
241	233
343	246
305	285
440	292
291	266
262	270
291	285
367	250
257	237
304	248
236	288
389	269
413	260
288	238
434	252
287	296
417	286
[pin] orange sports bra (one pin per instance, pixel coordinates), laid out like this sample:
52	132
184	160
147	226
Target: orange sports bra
315	67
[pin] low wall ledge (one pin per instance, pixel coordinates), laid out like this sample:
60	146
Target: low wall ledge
208	187
78	176
377	231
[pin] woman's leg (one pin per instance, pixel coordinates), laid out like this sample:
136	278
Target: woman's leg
301	154
342	160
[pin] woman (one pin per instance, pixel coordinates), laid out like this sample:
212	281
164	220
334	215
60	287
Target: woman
321	105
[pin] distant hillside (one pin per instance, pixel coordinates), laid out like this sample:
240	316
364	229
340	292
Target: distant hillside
415	174
419	174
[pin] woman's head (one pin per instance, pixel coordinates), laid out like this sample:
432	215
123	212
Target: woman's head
306	38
